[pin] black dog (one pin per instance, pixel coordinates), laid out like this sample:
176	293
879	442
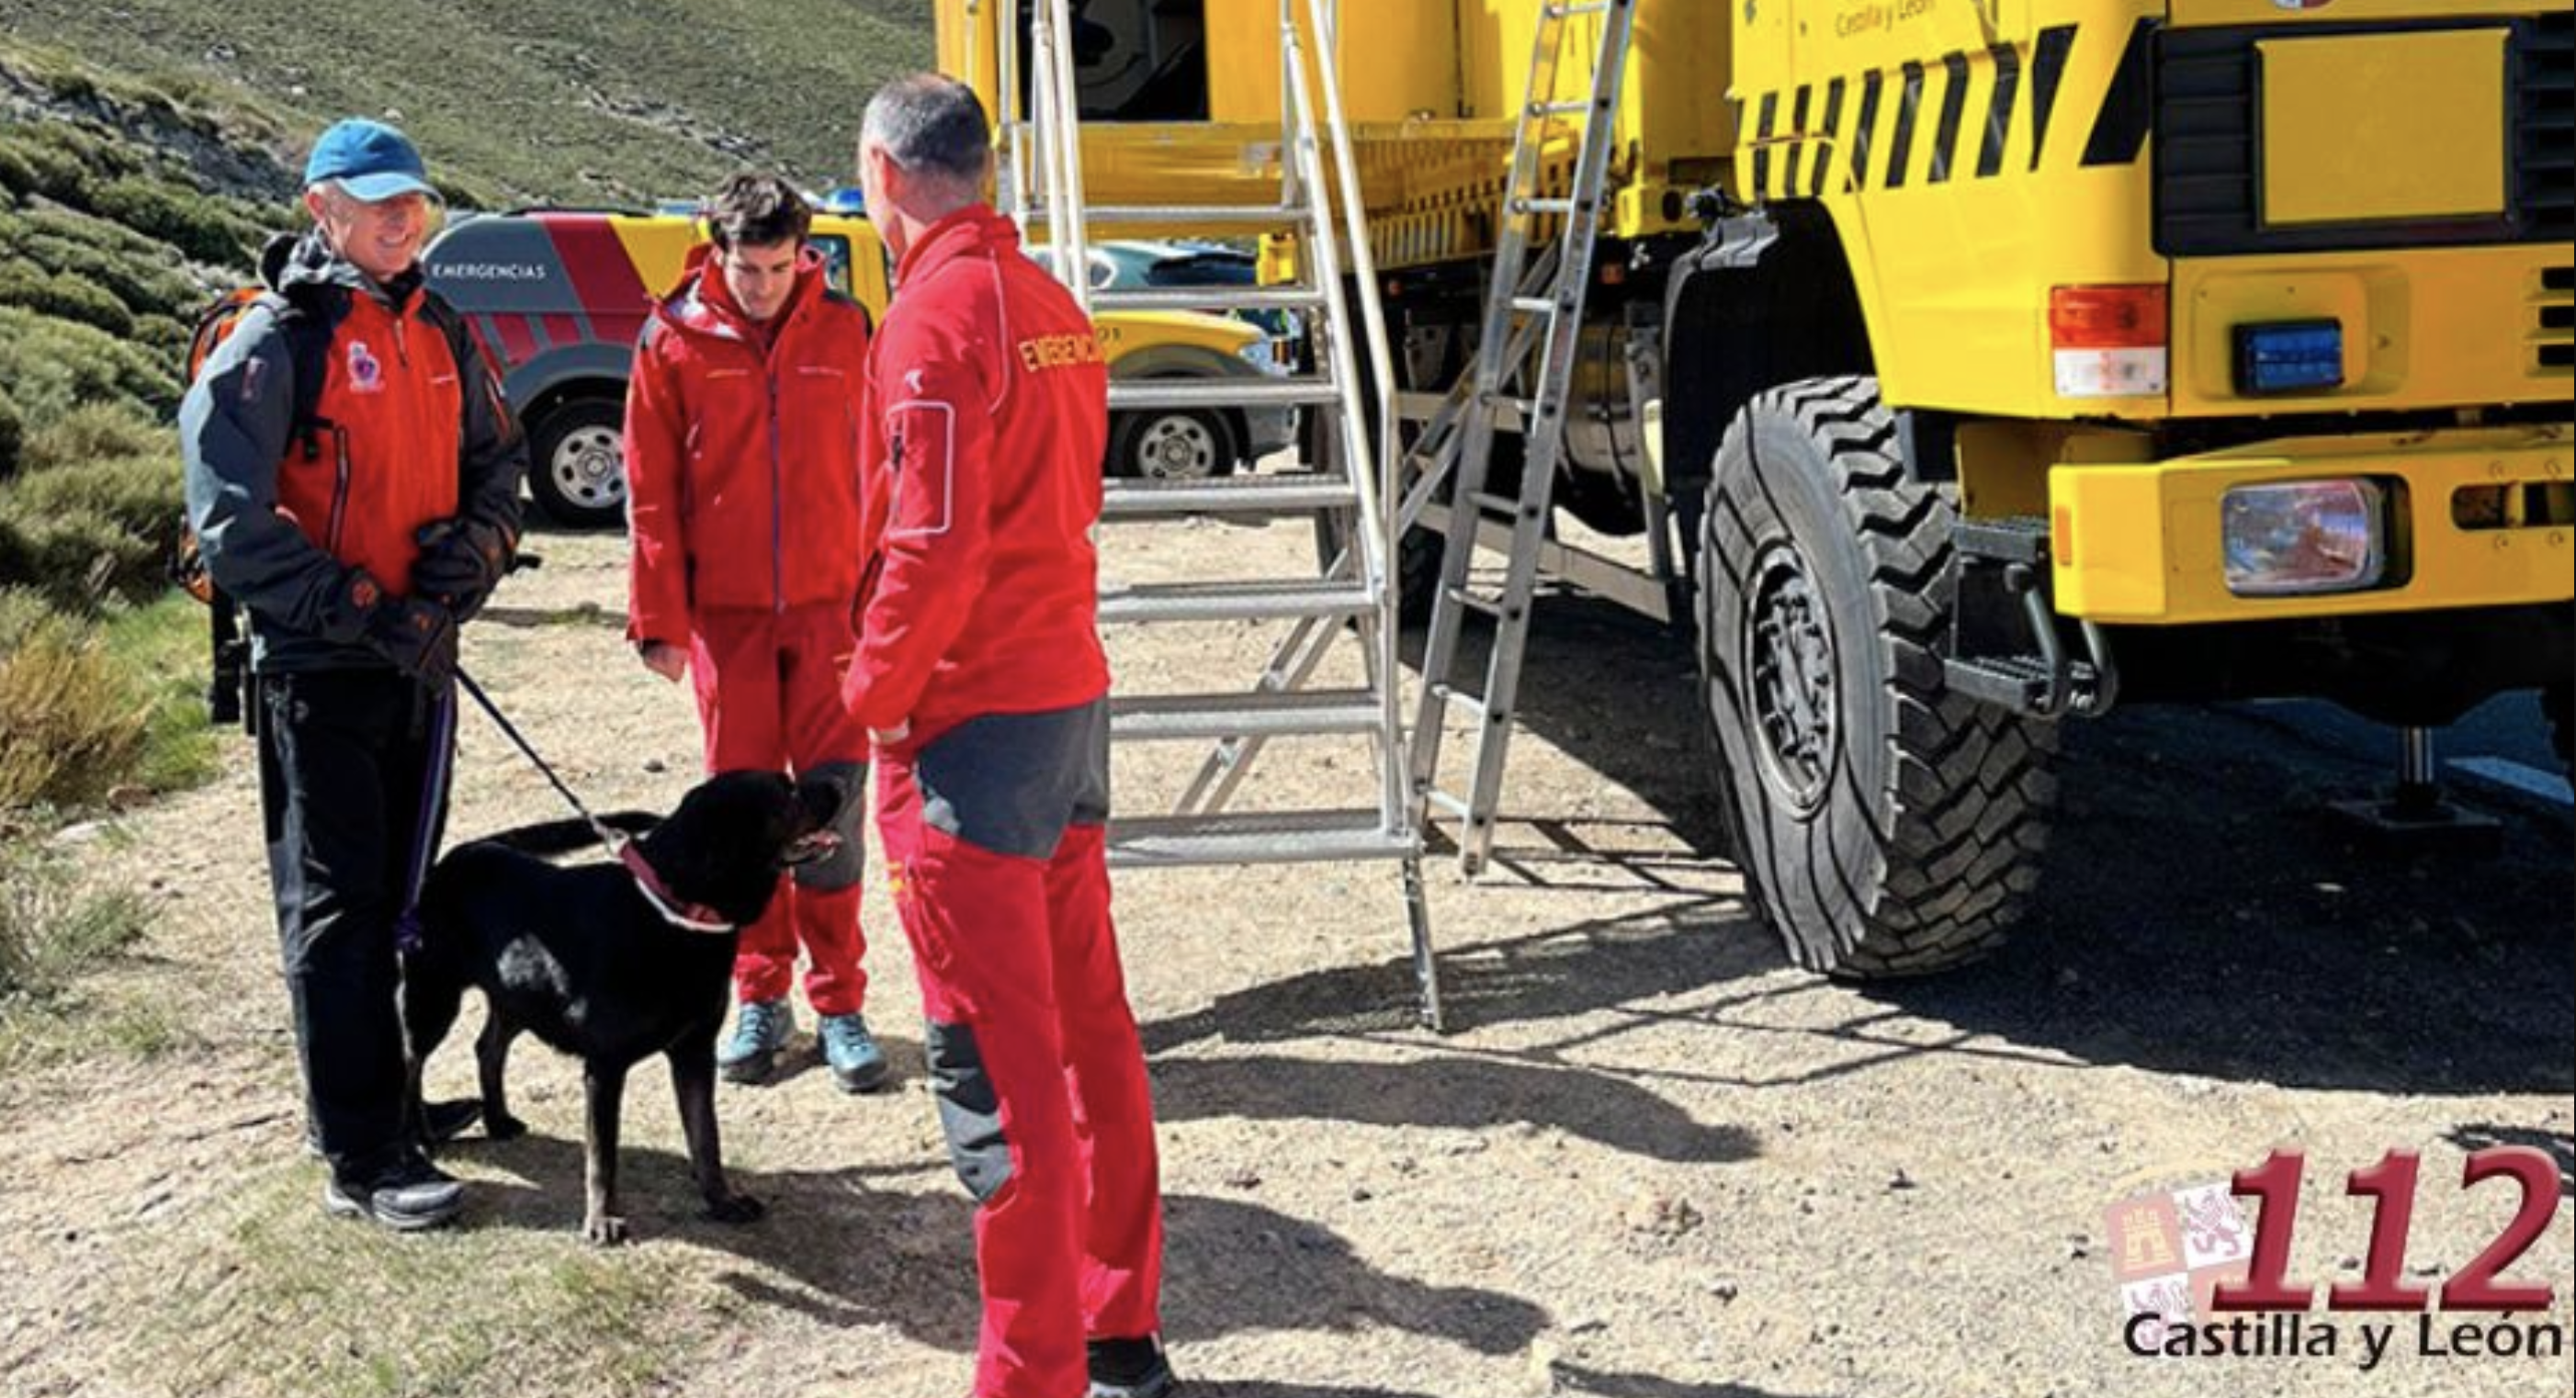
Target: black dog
612	963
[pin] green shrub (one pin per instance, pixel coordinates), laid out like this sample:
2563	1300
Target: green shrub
134	491
138	274
71	727
87	231
32	165
93	433
13	436
20	610
49	933
65	296
202	228
51	366
167	336
84	534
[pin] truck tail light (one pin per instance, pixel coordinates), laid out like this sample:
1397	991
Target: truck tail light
2109	341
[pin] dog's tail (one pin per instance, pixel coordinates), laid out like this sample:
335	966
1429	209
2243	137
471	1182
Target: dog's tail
566	836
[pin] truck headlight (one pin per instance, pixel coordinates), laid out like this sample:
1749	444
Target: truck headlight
2298	538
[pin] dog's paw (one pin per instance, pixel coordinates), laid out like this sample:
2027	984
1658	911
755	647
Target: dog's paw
605	1230
736	1208
504	1128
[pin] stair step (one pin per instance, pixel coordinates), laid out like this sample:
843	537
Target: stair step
1221	393
1257	713
1187	215
1247	496
2017	682
1234	601
1204	298
2011	539
1254	837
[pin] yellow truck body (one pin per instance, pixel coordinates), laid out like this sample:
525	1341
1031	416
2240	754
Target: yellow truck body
2231	337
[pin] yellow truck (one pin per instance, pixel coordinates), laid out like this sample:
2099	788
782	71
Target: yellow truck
1991	360
558	298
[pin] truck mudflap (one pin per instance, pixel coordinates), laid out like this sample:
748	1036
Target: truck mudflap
2469	517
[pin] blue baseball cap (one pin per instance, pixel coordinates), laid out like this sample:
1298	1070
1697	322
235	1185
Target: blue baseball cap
371	160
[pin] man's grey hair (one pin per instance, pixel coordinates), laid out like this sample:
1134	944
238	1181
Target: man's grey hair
932	125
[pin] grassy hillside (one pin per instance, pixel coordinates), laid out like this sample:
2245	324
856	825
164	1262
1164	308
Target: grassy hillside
562	101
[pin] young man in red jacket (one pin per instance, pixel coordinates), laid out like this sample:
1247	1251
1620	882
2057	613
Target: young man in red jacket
981	679
742	476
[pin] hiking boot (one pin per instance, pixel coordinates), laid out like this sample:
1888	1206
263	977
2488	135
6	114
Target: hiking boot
751	1055
1131	1369
409	1195
857	1064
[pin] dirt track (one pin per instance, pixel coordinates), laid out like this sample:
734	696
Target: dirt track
1652	1162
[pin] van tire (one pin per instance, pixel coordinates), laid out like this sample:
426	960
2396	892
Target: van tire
1884	825
572	482
1172	444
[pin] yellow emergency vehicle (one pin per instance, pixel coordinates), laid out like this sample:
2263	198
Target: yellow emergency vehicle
1993	360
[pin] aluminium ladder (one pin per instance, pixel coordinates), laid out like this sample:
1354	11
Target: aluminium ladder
1530	301
1040	172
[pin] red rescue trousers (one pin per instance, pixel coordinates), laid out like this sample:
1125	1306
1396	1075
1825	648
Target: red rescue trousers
769	696
997	857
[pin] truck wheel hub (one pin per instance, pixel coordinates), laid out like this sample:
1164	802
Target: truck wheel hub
1789	667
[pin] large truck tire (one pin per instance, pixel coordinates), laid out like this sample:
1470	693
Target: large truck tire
1884	825
577	463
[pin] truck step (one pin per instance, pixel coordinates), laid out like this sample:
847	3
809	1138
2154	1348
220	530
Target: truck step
1221	393
2010	539
1248	497
1257	713
1234	601
1202	298
1254	837
1238	216
2016	682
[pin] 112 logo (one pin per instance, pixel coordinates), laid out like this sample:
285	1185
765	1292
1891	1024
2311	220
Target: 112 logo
2390	1185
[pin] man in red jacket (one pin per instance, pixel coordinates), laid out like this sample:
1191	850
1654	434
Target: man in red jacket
742	475
981	679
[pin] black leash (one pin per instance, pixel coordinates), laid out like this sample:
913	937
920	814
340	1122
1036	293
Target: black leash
606	835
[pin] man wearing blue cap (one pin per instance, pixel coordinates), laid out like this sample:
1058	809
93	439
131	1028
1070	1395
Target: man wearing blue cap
353	479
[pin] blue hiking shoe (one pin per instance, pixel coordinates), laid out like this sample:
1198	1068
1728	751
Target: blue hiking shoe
857	1064
1131	1368
751	1055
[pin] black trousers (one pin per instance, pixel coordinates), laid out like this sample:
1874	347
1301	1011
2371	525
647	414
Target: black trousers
348	795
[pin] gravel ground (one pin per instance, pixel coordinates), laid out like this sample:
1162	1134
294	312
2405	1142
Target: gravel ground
1651	1161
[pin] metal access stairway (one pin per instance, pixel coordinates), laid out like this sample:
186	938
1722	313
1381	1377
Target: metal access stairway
1350	596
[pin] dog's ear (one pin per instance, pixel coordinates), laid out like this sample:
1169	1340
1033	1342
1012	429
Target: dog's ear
832	792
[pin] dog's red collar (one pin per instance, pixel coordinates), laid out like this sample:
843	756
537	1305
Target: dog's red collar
690	917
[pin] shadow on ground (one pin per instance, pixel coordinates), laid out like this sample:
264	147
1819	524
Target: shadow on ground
843	1254
2200	910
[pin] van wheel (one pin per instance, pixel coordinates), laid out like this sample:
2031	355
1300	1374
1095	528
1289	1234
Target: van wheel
1885	826
577	463
1171	444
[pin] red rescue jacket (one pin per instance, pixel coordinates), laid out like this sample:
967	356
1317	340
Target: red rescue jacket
991	415
742	461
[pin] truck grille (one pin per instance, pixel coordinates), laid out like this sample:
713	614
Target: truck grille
2553	322
2544	127
2208	136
